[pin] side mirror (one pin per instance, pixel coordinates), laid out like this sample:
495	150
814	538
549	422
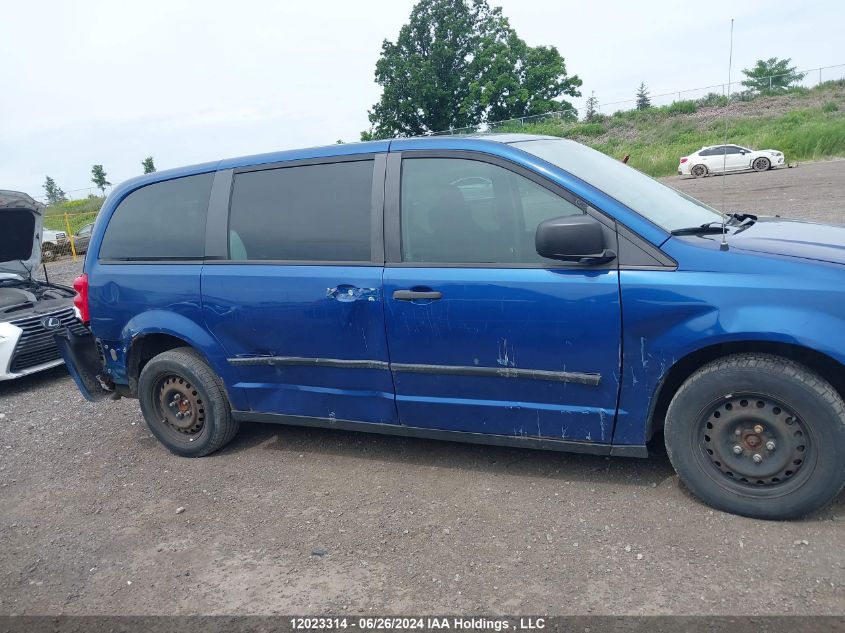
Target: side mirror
573	238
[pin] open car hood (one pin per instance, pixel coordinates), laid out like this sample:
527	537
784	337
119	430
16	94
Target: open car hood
22	219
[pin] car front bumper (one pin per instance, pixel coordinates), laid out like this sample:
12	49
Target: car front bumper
10	335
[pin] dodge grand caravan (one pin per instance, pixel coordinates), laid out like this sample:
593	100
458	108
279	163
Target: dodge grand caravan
511	290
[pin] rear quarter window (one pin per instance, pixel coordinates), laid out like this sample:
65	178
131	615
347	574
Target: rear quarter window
164	220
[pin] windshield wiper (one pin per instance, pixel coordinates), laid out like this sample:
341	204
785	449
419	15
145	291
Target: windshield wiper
712	228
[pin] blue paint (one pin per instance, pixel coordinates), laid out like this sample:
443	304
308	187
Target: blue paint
779	282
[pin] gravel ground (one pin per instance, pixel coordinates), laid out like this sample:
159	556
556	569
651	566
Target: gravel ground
809	191
97	518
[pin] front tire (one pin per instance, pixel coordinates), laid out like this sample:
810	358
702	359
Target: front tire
761	164
758	435
698	171
185	404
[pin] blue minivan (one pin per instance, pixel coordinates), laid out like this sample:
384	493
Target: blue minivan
505	289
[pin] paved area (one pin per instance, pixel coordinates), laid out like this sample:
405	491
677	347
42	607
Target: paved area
97	518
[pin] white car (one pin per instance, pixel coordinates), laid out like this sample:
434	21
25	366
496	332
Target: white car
717	159
53	243
31	311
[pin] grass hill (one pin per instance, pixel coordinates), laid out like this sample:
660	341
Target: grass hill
806	124
79	213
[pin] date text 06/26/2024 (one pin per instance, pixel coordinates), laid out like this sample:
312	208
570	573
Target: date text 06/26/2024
417	623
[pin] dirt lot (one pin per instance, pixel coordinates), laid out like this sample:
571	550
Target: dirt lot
294	520
810	191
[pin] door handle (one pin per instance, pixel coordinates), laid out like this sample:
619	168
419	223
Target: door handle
414	295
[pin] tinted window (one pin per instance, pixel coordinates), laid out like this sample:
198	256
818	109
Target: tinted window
308	213
165	220
457	210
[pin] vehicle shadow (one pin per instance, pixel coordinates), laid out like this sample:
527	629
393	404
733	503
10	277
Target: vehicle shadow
442	454
491	460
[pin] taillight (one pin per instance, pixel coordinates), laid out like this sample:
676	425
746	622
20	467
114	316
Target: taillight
683	160
80	301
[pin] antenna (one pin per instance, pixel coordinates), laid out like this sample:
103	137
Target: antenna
724	245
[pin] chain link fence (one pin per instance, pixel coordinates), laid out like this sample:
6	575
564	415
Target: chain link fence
66	234
715	94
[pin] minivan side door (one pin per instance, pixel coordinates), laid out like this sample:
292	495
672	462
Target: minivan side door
485	335
294	296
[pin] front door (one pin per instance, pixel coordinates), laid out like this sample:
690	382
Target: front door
297	304
485	335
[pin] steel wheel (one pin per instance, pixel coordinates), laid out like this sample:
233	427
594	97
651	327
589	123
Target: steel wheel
755	442
761	164
698	171
179	408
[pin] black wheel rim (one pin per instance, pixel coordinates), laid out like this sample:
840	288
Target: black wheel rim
179	408
698	170
761	164
755	442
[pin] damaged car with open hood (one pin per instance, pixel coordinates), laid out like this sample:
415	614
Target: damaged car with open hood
30	310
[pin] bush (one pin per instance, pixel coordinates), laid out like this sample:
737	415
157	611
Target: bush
587	129
712	99
683	107
830	106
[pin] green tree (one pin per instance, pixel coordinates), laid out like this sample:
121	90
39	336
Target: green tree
54	193
770	76
98	177
592	107
458	63
148	165
643	100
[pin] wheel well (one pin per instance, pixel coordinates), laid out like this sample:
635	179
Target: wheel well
826	367
144	349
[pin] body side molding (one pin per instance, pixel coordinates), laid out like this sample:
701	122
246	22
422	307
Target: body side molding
450	370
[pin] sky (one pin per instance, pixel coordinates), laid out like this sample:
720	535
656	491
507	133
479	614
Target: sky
97	81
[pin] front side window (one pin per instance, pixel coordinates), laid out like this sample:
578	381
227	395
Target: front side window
164	220
458	210
305	213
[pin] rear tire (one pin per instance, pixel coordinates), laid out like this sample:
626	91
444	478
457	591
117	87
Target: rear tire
698	171
185	404
758	435
761	164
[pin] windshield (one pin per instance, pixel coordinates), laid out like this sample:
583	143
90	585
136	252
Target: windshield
666	207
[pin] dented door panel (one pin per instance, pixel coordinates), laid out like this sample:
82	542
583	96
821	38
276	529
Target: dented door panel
304	340
524	352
